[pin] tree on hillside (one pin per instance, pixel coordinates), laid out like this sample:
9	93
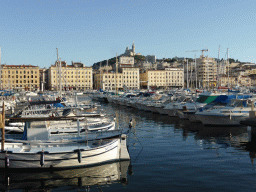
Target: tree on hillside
231	60
139	58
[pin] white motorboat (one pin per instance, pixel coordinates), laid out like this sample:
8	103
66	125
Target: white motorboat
187	110
229	115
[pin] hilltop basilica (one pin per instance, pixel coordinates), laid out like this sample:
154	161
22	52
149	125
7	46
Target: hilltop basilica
130	52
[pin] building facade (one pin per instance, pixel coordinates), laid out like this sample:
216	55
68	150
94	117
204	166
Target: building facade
206	72
169	77
127	79
20	77
151	58
70	77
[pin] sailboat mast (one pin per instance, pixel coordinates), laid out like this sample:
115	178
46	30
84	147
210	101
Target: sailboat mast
101	77
195	72
77	120
218	65
0	71
57	87
116	73
191	74
107	66
60	78
228	68
59	71
187	73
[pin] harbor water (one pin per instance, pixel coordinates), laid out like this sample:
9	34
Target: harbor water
170	154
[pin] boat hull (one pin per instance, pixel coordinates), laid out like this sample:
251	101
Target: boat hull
55	156
214	120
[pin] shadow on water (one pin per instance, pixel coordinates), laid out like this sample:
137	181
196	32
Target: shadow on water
93	177
225	136
250	145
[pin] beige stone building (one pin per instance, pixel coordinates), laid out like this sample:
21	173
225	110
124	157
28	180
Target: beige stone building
20	77
244	81
70	77
169	77
127	79
233	81
225	81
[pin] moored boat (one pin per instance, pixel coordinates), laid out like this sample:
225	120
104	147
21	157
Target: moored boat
64	154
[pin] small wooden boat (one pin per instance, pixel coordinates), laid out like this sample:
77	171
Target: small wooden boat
65	154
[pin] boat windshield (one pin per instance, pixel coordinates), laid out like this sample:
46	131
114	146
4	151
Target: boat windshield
237	103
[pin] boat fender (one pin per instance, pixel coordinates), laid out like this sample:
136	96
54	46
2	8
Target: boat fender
7	161
42	158
130	124
79	156
123	136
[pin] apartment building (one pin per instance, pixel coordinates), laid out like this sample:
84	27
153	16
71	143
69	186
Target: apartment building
227	81
169	77
206	71
20	77
244	81
127	79
70	77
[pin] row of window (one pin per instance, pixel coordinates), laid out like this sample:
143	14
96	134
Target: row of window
24	72
74	77
77	72
31	85
166	77
106	76
164	81
127	73
113	85
173	84
17	81
71	81
32	76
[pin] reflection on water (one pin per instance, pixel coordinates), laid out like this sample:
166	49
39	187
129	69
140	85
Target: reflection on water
250	146
210	137
81	178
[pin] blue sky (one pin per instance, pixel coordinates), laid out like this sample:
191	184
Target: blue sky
95	30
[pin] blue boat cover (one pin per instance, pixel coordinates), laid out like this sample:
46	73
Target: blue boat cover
227	98
58	105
